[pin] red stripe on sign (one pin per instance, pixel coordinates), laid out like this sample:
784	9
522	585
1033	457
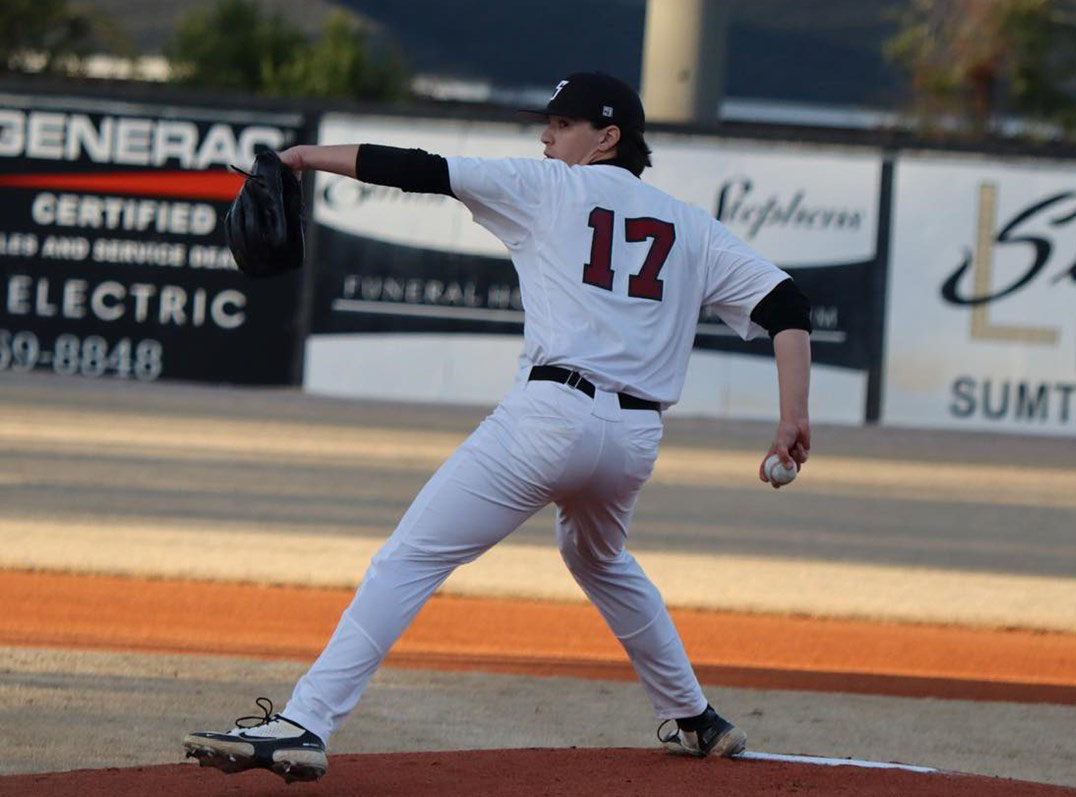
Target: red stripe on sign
167	184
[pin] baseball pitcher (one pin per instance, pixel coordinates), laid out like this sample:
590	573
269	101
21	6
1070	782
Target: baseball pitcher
613	274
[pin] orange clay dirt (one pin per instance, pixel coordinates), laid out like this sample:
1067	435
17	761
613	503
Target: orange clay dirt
519	636
73	611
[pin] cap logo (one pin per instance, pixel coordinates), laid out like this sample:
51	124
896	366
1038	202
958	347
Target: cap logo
607	110
556	91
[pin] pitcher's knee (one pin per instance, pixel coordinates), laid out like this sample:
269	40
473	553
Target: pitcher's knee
582	557
425	553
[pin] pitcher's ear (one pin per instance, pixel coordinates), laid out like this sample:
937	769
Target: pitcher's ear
610	138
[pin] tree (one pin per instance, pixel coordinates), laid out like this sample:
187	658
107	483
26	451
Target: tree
51	35
340	64
233	45
972	59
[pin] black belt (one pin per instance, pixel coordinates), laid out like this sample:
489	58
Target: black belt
553	373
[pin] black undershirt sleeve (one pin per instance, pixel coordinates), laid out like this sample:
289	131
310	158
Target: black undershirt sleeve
412	170
785	307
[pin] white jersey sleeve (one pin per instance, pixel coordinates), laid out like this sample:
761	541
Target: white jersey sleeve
507	196
738	278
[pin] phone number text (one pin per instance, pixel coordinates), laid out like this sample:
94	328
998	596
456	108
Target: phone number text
92	355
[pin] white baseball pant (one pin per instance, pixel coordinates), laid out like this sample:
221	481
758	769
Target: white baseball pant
544	442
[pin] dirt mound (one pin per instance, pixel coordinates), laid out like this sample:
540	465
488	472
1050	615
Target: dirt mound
530	773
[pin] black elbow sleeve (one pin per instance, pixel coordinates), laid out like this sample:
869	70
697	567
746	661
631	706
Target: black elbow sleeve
785	307
413	170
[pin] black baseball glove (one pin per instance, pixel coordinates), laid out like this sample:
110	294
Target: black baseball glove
264	225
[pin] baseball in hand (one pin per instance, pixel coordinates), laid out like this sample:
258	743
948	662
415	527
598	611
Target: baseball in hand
776	472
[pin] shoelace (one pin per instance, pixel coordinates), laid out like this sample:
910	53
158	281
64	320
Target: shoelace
672	737
266	705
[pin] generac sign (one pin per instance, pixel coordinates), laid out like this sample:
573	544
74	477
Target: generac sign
130	140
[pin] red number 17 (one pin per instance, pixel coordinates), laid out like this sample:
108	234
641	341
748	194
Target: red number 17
599	271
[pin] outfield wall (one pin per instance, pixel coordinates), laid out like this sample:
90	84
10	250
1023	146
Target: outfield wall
943	282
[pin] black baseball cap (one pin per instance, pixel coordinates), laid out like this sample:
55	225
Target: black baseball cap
597	97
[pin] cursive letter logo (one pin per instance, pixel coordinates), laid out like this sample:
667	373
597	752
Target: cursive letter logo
981	263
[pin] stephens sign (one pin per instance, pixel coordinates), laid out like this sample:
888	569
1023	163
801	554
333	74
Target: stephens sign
394	263
981	323
812	212
112	254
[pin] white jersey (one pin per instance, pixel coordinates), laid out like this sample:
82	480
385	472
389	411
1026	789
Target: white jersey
613	272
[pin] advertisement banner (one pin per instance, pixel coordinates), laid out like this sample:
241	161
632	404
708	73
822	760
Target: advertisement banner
981	323
393	263
113	262
812	211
